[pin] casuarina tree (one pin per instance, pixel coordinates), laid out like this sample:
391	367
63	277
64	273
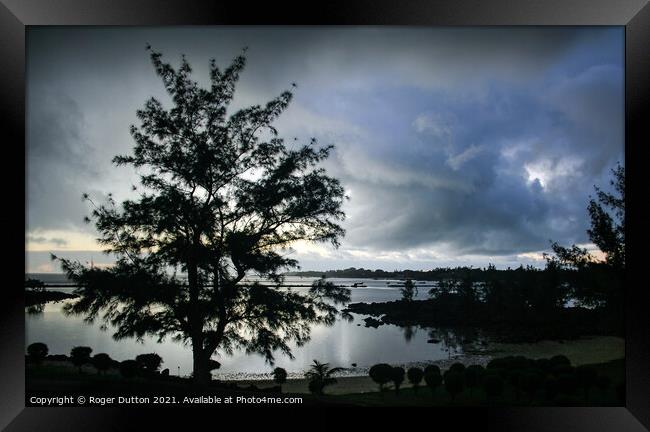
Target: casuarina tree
220	197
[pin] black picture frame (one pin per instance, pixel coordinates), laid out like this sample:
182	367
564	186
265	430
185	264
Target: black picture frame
634	15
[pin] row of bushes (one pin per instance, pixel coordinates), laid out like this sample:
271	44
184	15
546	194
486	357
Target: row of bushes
554	379
143	364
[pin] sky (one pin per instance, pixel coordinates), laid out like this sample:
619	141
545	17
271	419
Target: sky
456	146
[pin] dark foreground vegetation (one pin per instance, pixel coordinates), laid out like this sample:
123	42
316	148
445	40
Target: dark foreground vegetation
506	381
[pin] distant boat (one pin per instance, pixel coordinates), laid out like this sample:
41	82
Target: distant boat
358	284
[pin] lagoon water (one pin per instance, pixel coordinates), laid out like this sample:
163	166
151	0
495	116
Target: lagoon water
342	344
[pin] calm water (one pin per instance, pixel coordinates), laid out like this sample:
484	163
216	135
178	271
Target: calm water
342	344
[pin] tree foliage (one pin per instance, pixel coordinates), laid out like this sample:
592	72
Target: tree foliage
409	291
37	352
220	197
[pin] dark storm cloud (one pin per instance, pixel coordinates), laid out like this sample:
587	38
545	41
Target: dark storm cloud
59	160
469	141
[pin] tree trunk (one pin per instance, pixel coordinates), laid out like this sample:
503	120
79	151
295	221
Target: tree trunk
201	368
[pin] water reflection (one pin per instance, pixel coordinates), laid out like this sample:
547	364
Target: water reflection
343	344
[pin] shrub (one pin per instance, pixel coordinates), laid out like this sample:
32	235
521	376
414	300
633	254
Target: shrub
457	367
102	362
129	368
149	363
454	383
433	381
37	352
431	369
382	374
398	377
279	375
80	355
415	376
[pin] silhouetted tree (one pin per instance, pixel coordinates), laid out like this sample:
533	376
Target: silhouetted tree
599	284
429	369
149	363
221	198
80	355
454	383
37	352
409	291
102	362
279	375
397	377
382	374
433	380
320	376
129	368
457	367
415	376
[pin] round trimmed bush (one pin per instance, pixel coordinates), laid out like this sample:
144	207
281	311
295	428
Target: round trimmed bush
432	369
398	377
433	381
457	367
37	352
382	374
454	383
415	376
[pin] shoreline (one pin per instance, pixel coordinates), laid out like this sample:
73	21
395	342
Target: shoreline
585	350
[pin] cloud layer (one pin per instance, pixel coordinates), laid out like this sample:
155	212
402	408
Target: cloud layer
467	145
